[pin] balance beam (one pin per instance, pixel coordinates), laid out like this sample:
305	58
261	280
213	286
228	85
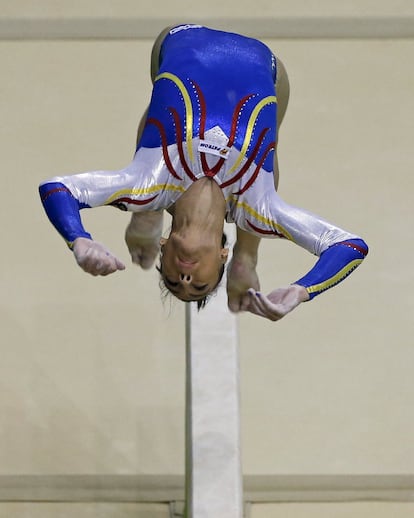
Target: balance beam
213	450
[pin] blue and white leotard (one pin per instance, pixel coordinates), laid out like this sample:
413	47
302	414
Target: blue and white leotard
212	114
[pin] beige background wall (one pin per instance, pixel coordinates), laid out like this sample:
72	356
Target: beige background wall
92	370
65	9
144	9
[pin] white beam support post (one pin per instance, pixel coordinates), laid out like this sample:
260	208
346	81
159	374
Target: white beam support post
213	450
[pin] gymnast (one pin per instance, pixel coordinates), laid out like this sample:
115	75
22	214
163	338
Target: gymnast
206	153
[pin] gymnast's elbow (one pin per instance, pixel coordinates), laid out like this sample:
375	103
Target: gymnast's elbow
53	180
355	247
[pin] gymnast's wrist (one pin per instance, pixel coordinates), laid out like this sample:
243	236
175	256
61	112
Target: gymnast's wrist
244	255
302	292
79	239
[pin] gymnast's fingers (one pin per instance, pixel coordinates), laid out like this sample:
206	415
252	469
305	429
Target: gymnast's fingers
254	306
264	307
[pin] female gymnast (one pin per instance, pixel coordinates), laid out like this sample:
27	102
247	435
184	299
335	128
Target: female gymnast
206	153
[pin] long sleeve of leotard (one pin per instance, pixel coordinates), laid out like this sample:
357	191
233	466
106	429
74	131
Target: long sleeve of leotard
63	210
339	251
333	266
63	197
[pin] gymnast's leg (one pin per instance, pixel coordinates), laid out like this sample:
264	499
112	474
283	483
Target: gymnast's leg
144	231
282	93
241	273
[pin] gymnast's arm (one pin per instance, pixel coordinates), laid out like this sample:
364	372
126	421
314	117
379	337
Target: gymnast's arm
64	197
339	254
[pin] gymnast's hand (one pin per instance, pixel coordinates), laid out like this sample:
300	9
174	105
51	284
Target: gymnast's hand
277	303
142	237
143	250
94	258
241	275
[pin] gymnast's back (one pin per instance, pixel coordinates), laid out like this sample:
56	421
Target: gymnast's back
212	72
215	53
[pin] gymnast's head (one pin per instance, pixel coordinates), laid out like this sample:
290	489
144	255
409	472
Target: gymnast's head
192	269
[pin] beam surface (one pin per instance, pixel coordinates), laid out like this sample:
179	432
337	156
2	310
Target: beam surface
213	452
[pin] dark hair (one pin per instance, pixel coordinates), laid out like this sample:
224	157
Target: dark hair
201	303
